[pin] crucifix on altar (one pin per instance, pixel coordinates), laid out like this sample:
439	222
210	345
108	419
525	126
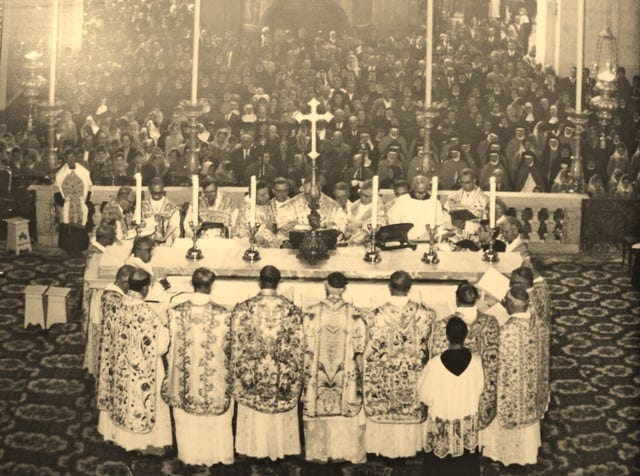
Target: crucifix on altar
313	248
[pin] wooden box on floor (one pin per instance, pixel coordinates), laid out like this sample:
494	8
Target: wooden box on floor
57	305
34	305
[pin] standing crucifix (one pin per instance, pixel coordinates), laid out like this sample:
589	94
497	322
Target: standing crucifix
313	247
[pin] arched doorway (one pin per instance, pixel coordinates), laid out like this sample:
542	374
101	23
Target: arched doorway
313	15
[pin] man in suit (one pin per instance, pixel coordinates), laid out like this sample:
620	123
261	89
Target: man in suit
242	157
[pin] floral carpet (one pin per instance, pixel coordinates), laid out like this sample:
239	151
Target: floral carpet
48	417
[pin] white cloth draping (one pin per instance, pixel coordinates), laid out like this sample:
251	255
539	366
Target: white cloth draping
206	440
511	446
394	440
267	435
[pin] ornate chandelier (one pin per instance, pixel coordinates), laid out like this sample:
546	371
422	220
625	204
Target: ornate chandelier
605	102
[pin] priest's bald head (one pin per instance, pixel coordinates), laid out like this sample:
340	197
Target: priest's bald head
269	277
400	283
516	300
420	188
466	295
139	281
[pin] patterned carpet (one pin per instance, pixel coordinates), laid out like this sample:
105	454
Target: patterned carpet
48	416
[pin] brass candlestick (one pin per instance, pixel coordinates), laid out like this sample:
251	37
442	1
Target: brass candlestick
194	253
252	254
431	256
372	255
491	255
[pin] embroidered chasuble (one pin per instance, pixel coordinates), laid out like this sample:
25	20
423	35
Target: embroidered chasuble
294	214
483	340
127	388
74	186
101	303
334	334
475	201
266	236
393	360
524	351
222	211
267	353
198	357
112	211
163	217
523	392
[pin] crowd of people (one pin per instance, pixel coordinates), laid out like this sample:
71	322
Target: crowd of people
499	113
393	381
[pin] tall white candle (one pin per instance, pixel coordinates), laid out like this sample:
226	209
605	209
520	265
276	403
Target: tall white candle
196	53
252	197
429	60
53	52
195	184
433	219
138	210
580	58
374	202
492	202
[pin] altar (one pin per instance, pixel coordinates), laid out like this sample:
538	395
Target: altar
237	280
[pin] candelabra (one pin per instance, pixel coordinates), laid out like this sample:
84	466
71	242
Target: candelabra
51	114
431	256
490	255
579	120
252	254
192	112
372	255
194	253
427	117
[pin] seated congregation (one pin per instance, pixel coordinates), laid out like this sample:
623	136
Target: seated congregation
392	380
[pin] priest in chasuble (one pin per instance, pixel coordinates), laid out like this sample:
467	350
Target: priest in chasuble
538	290
266	371
119	211
483	340
196	385
161	215
359	215
335	334
396	351
132	412
523	385
294	214
469	197
265	217
212	208
72	194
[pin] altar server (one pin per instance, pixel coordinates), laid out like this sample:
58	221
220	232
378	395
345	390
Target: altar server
393	359
72	195
450	385
132	413
266	371
335	335
483	339
523	391
196	382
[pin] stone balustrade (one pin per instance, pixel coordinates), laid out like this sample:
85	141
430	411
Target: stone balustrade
552	221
